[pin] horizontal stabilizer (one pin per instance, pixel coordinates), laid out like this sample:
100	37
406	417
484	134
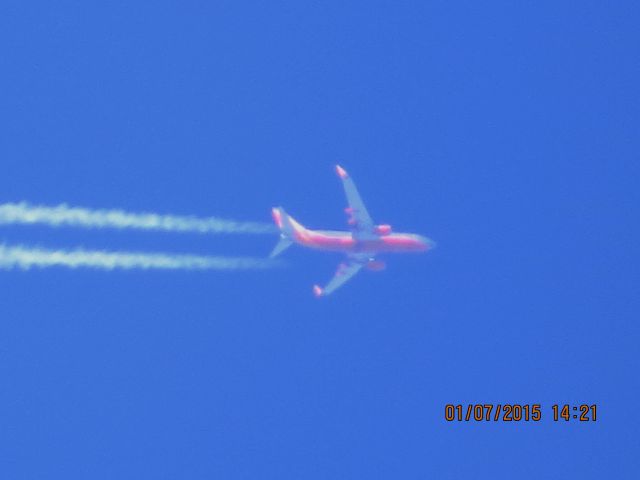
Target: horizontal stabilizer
281	246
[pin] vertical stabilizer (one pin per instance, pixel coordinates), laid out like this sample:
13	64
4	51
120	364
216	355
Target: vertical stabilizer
289	230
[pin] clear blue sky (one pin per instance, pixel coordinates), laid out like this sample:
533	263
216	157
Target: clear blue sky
506	131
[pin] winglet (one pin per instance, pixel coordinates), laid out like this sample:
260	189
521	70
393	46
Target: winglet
317	291
342	173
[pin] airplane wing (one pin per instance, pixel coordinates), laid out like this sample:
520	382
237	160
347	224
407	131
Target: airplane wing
360	220
346	271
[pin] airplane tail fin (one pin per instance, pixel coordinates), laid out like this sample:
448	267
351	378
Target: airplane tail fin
289	230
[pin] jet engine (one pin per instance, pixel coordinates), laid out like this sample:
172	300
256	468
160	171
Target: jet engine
376	265
382	229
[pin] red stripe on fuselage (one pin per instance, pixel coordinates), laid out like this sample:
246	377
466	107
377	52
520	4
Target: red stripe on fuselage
339	242
344	242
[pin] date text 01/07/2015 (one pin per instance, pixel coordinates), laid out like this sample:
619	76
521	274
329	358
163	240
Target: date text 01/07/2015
513	412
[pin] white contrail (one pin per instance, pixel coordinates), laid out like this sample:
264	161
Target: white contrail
64	215
25	258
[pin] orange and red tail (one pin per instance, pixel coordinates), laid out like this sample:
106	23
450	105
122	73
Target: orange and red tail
290	230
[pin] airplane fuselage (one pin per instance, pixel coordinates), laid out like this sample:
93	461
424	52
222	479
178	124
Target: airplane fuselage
338	241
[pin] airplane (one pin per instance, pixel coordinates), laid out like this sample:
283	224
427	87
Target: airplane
360	245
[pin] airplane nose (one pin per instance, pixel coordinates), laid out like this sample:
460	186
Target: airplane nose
428	243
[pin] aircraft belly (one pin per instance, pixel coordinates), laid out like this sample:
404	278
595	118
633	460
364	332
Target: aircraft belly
386	244
341	242
338	243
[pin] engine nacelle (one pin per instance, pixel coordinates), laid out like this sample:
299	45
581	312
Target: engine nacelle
382	229
376	265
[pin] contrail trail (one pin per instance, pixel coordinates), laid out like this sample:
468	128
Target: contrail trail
64	215
25	258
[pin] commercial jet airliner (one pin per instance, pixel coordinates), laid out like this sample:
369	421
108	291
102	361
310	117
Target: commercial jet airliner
361	244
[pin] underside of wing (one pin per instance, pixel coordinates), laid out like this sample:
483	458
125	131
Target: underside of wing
359	218
346	271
